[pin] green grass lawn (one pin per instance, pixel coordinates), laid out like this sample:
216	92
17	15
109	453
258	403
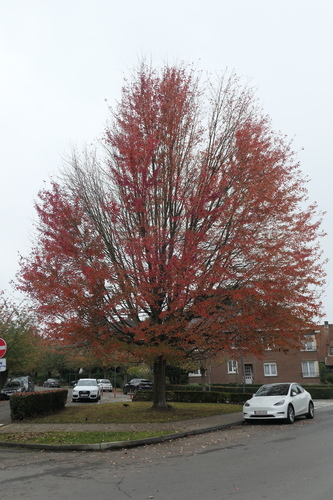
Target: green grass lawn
68	437
134	413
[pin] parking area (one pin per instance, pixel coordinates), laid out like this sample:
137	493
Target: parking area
107	397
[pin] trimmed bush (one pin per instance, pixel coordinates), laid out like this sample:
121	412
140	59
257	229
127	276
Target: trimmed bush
197	397
33	404
233	396
316	391
214	388
319	392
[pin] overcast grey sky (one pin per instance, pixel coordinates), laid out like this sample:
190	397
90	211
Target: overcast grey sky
60	60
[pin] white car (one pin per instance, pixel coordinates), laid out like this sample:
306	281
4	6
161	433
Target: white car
104	384
86	389
279	401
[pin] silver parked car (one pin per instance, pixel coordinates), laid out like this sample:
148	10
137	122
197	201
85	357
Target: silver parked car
105	384
52	382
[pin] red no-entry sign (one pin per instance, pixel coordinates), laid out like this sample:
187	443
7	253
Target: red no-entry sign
3	348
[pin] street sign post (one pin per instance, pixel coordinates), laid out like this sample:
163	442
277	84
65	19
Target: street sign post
3	348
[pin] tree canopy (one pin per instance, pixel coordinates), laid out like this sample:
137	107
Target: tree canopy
24	345
189	232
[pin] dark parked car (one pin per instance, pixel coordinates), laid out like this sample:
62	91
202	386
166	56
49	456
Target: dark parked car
29	384
12	386
52	382
138	384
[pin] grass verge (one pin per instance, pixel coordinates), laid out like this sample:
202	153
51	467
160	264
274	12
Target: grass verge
135	412
113	413
64	437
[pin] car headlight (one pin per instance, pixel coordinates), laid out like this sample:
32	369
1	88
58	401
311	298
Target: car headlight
247	403
280	403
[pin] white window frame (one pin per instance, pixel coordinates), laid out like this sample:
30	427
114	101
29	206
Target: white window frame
195	374
270	369
310	369
310	343
232	366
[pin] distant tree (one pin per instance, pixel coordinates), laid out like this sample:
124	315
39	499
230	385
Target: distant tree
54	360
24	344
176	374
192	233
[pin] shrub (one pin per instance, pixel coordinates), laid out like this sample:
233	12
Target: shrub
319	392
197	396
32	404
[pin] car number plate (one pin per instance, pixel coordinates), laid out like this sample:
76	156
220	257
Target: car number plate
263	412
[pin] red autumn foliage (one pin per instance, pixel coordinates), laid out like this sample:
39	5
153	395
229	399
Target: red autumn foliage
193	232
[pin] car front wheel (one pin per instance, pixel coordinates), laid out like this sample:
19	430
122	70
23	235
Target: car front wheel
310	413
290	415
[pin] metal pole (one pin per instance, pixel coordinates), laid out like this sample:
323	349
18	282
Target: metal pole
243	374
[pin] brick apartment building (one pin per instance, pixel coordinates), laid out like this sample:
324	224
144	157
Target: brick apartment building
301	366
325	344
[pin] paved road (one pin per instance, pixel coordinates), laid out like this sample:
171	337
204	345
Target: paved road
266	461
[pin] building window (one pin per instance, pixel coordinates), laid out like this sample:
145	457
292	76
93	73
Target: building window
310	343
331	351
195	374
232	366
310	369
270	370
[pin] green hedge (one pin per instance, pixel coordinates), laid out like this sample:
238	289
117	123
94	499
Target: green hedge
319	392
197	397
214	388
316	391
220	396
32	404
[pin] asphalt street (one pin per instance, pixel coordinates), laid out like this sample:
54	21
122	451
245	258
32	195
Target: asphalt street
267	461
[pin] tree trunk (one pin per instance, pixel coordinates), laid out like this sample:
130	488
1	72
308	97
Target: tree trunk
159	401
203	378
3	377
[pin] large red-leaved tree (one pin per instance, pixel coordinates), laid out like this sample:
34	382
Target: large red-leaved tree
190	234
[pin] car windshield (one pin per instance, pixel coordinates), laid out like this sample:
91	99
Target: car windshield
87	382
104	381
13	383
273	390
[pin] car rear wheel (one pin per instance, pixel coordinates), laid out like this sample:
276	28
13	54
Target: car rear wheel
310	413
290	415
